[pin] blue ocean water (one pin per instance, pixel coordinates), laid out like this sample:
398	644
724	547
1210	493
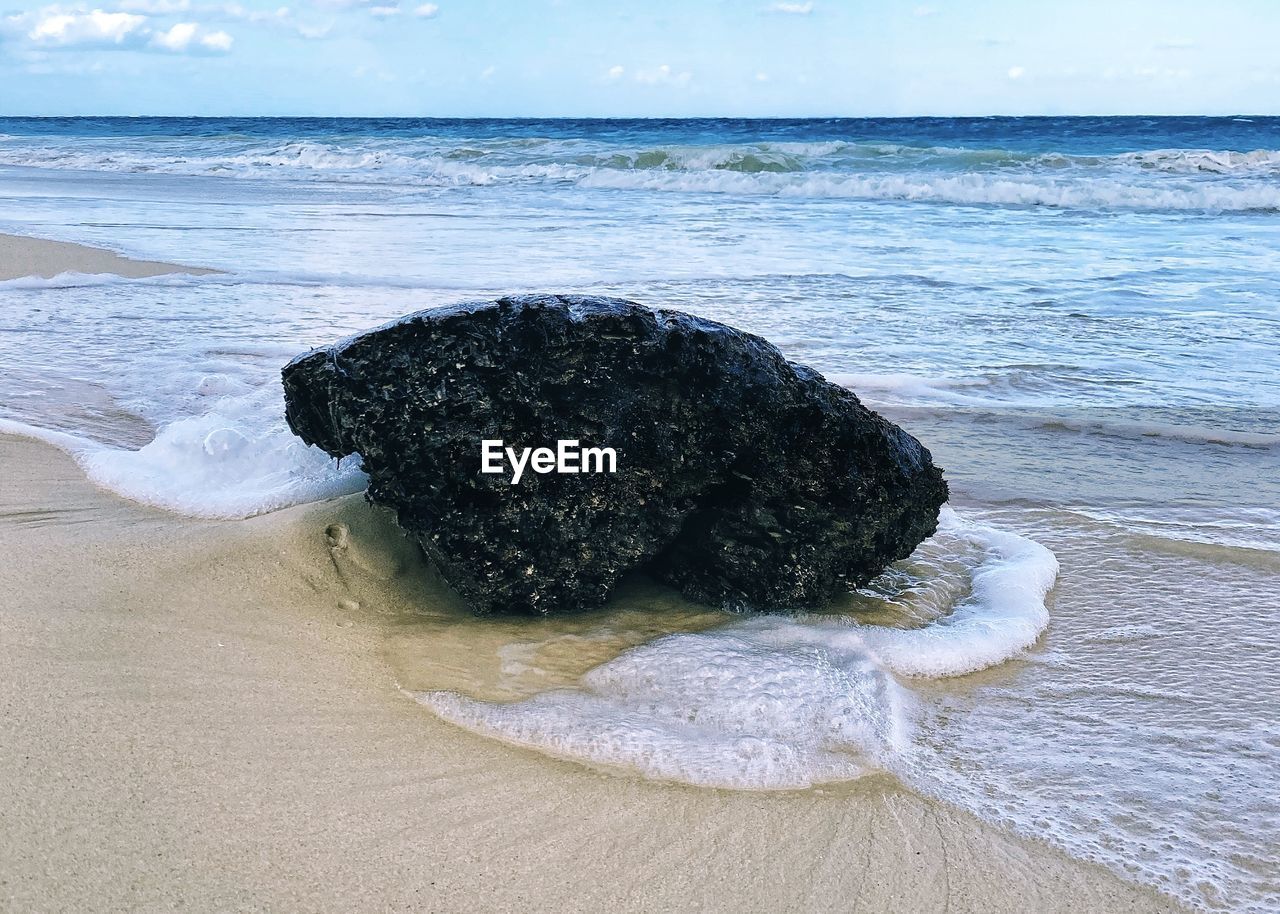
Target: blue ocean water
1080	316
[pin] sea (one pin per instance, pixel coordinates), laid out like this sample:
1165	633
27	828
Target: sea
1080	317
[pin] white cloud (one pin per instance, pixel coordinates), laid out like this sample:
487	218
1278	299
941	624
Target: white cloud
384	12
662	76
795	9
219	42
922	12
190	36
615	72
177	38
59	29
56	28
154	7
762	77
487	73
282	17
427	11
1017	72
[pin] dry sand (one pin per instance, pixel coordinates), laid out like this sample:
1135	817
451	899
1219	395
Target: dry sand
21	256
196	716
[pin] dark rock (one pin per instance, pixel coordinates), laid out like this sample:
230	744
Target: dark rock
741	479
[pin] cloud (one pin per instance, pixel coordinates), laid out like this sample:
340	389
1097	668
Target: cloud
154	7
427	11
218	42
191	36
1017	72
1175	44
615	72
922	12
384	12
53	28
58	28
794	9
281	17
662	76
177	38
762	77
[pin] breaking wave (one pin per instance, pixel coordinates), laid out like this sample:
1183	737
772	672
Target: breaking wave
1160	179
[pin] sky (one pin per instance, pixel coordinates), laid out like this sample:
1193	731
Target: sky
638	58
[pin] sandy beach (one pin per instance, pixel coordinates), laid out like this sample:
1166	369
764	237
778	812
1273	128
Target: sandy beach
206	714
201	714
229	682
21	256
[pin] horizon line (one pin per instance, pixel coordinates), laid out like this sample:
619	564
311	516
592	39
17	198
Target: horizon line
623	117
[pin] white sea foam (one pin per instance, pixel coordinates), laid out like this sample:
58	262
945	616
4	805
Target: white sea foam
728	709
235	460
899	388
1004	615
1159	179
1262	161
971	189
775	702
301	278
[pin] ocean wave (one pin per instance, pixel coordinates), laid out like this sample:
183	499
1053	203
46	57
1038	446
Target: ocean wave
777	702
974	189
1160	179
1254	529
299	278
902	389
1260	161
74	280
1190	434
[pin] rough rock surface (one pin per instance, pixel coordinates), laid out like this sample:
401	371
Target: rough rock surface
742	479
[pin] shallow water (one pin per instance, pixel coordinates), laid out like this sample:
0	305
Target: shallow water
1079	317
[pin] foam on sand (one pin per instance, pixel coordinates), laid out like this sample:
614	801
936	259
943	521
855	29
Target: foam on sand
774	702
235	460
1004	614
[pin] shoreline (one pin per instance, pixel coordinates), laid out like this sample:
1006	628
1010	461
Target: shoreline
205	712
22	256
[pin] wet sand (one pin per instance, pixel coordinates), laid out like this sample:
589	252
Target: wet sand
22	256
204	714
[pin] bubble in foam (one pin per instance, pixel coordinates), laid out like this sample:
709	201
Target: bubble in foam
224	442
775	702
